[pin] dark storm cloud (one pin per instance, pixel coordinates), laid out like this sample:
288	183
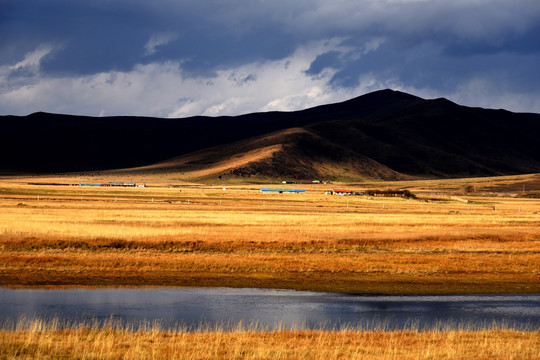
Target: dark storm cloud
103	35
96	35
438	44
106	35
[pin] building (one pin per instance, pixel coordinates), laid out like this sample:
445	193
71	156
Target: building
281	191
342	192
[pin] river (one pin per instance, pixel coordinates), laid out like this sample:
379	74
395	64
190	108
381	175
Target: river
191	308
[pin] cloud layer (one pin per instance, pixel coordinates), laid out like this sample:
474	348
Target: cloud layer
179	58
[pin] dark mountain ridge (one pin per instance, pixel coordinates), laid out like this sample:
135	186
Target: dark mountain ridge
441	139
386	134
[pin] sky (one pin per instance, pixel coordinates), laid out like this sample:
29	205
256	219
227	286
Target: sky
178	58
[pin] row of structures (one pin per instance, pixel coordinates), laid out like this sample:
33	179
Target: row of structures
114	183
281	191
386	193
313	182
347	192
342	192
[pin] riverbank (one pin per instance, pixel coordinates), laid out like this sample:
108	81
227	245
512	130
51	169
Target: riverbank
42	341
350	273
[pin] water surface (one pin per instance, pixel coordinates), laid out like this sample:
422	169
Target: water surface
191	307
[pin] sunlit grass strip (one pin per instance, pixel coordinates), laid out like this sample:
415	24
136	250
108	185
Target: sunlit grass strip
51	339
54	323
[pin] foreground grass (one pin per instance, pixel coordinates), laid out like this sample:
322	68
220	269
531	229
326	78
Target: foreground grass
197	236
114	343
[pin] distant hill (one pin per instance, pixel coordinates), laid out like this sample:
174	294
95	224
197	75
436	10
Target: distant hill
295	153
382	135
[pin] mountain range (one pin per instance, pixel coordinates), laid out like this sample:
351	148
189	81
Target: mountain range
381	135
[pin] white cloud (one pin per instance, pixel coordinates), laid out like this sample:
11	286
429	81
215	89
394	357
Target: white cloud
33	59
29	66
373	44
159	39
25	72
163	90
276	85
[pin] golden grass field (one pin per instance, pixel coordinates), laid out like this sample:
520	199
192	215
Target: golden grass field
460	236
43	341
207	236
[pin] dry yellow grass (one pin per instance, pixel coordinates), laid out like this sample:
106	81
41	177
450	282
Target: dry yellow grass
43	341
77	236
204	236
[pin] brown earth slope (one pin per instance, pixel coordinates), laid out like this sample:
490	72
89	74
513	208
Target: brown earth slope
295	153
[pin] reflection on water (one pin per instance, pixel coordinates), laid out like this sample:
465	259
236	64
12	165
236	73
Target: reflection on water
291	309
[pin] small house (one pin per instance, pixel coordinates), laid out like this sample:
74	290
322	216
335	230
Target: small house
342	192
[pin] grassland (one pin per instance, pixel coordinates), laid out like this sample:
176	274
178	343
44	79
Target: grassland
459	236
45	340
